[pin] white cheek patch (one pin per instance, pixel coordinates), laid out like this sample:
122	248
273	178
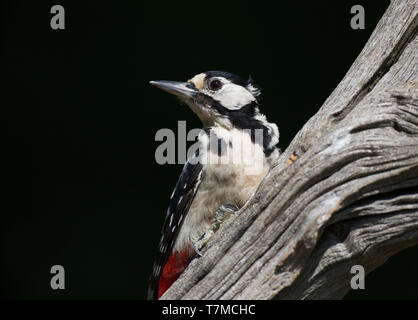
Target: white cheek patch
233	96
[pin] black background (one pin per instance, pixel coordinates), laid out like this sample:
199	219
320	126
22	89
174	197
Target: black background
83	187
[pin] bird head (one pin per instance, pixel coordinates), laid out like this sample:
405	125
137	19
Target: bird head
217	98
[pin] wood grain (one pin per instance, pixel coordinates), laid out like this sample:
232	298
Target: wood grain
348	196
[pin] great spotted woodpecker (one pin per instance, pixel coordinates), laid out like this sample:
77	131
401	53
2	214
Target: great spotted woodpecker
221	176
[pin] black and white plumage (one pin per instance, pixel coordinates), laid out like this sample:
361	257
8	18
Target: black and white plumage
178	207
234	128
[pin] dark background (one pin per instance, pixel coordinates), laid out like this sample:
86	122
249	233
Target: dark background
83	187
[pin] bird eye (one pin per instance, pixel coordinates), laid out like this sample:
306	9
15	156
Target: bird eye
215	85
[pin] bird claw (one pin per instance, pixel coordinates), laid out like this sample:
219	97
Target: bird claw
196	249
221	215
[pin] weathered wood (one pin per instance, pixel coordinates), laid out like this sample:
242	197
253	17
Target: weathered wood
351	197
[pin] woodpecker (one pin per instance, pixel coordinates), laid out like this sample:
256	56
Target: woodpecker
236	149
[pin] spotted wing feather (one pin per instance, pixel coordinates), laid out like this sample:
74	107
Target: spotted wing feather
178	208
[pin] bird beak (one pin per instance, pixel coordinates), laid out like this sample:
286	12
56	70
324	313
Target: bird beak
180	89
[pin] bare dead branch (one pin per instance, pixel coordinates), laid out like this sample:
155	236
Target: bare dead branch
348	196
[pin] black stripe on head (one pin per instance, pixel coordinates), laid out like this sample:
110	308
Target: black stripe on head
254	89
242	118
231	77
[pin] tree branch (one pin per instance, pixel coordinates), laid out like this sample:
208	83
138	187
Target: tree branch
350	197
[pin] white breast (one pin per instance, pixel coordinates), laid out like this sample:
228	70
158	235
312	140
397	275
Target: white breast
230	178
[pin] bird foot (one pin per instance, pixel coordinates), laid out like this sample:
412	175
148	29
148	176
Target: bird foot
221	215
